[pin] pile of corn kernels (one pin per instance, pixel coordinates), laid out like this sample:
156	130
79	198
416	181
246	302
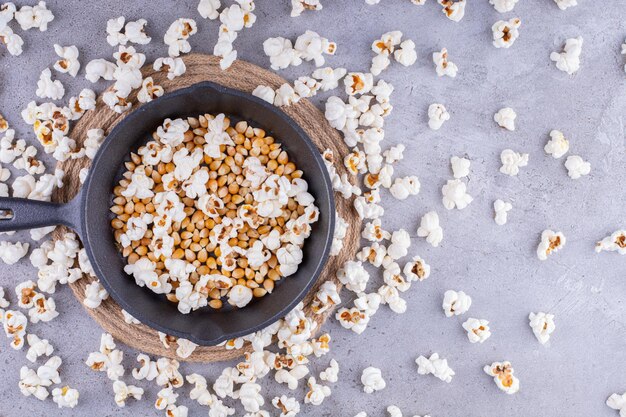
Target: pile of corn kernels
207	210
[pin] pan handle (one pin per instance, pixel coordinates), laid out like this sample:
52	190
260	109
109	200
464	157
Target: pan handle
22	213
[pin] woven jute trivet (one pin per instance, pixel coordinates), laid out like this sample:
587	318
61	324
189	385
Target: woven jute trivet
242	76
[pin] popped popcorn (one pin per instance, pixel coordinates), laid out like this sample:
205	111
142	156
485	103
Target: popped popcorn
460	167
36	383
454	194
502	373
288	406
149	91
37	16
550	242
400	243
436	366
95	294
330	374
372	380
442	65
477	330
503	6
358	83
108	358
123	392
354	276
99	68
430	228
15	324
455	303
453	9
209	9
505	118
564	4
437	114
11	253
417	269
558	145
543	326
404	187
505	33
250	397
12	41
177	35
69	59
616	242
133	32
312	47
501	209
512	161
569	60
65	397
577	167
617	402
298	6
47	88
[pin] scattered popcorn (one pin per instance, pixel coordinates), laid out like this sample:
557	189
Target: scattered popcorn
372	380
577	167
47	88
442	65
501	208
123	392
281	53
455	195
477	330
502	373
43	309
400	243
69	59
436	366
543	326
512	161
341	229
265	93
95	294
99	68
503	6
34	17
149	91
36	383
437	114
456	303
11	253
430	228
288	406
550	242
505	33
14	324
394	154
175	67
330	374
558	145
312	47
417	269
616	242
385	47
453	9
298	6
108	358
250	397
460	167
358	83
569	60
354	276
177	35
317	393
617	402
505	118
65	397
12	41
404	187
120	34
564	4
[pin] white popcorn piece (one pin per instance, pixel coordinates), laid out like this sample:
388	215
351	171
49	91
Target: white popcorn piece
15	324
291	377
281	53
358	83
391	296
250	397
501	209
354	276
312	47
177	35
149	91
43	309
394	154
328	77
165	398
325	298
460	167
38	16
200	392
503	6
12	41
352	319
95	294
372	380
330	374
175	67
128	318
617	402
564	4
453	9
477	330
569	60
36	383
404	187
341	230
99	68
65	397
148	369
577	167
317	392
367	210
505	33
550	242
265	93
502	373
185	348
123	392
442	65
505	118
436	366
558	145
299	6
288	406
108	358
11	253
616	242
7	13
69	59
454	195
209	9
405	55
437	115
543	326
47	88
92	143
455	303
417	269
512	161
400	243
430	228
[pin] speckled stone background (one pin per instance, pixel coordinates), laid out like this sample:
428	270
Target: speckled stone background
497	266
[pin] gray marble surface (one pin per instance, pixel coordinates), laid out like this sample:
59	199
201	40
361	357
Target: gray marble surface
497	266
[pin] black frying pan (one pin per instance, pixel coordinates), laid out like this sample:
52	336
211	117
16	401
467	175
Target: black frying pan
88	214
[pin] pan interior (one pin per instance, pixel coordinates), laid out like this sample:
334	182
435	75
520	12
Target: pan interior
204	326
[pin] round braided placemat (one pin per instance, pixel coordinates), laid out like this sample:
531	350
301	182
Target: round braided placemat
242	76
